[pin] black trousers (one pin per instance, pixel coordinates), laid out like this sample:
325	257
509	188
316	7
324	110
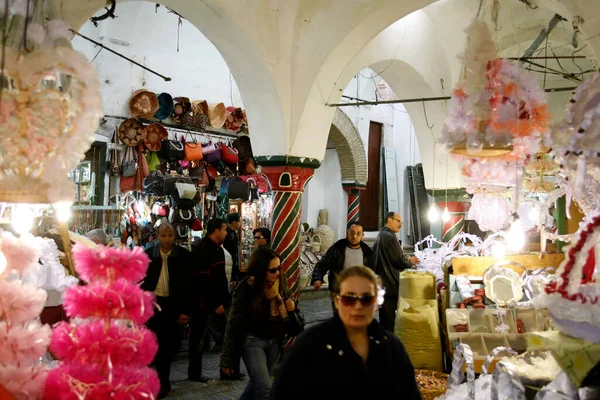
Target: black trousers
168	334
199	324
387	312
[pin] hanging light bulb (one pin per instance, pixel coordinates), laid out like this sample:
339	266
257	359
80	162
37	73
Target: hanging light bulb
433	213
22	218
446	215
62	210
516	235
498	250
534	214
3	262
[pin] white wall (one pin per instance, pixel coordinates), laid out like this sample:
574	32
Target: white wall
198	70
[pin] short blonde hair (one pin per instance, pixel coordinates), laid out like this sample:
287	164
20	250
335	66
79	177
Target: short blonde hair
359	271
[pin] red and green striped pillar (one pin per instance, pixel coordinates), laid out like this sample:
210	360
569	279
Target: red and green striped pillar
456	223
287	183
353	191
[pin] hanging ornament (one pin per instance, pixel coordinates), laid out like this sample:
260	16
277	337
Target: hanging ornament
490	211
50	106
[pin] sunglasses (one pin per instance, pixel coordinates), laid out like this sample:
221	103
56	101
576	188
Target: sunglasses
273	270
258	237
349	300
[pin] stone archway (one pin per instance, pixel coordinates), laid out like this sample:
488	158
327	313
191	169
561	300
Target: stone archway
351	152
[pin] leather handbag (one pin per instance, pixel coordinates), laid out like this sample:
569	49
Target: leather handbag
209	147
204	181
259	180
153	161
295	324
186	190
153	184
197	225
181	216
160	209
143	164
229	155
178	202
238	190
196	170
249	167
129	163
181	230
212	172
172	150
193	151
215	156
171	180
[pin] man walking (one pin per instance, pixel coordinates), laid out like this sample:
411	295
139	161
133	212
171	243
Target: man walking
211	293
168	276
389	261
344	253
232	245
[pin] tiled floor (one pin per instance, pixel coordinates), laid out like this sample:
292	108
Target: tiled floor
316	307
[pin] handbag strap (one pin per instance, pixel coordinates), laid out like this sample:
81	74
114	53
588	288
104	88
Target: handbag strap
176	145
189	215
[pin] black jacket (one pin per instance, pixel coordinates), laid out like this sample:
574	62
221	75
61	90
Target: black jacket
232	245
323	360
241	321
389	260
210	288
180	272
333	261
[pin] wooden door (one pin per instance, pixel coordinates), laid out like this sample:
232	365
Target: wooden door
370	199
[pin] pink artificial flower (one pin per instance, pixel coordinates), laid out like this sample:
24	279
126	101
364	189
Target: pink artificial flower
110	264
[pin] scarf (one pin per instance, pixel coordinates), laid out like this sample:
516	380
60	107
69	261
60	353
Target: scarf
277	304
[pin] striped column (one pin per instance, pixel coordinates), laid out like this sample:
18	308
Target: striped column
353	203
456	223
287	183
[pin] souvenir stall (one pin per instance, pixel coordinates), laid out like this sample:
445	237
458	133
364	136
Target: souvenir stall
527	323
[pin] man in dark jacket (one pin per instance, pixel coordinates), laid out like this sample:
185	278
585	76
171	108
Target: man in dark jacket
168	276
232	245
344	253
389	260
211	292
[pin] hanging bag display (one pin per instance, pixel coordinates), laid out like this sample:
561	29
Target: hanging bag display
181	216
172	150
142	163
186	190
181	230
229	154
171	180
178	202
153	184
214	156
129	163
196	170
193	151
183	163
209	147
238	190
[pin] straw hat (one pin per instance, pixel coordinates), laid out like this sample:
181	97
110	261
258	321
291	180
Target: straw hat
182	107
154	134
217	115
131	132
235	119
143	104
165	106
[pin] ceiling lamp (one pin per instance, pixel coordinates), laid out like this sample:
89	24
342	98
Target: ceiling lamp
50	105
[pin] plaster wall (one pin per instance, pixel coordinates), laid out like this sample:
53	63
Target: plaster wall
198	70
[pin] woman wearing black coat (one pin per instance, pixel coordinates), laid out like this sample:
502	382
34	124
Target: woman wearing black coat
349	356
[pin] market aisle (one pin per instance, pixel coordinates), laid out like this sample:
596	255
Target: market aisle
316	306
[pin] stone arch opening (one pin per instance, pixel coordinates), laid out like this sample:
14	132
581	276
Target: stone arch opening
351	152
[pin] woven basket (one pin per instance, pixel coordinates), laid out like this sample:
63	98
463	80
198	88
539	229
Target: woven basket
431	393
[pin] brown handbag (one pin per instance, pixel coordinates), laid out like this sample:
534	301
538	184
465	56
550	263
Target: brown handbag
193	151
204	181
211	171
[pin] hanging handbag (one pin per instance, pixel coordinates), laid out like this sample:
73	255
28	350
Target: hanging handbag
172	150
197	225
204	181
129	163
211	171
215	156
196	170
153	184
160	209
224	187
238	190
153	161
229	155
295	324
248	168
181	216
171	180
181	230
186	190
253	189
193	151
143	164
261	182
178	202
209	147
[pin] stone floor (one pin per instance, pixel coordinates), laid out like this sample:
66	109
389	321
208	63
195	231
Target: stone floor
316	307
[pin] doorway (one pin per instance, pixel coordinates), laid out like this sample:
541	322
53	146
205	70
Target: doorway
370	198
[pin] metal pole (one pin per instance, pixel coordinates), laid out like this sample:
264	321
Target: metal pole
424	99
166	78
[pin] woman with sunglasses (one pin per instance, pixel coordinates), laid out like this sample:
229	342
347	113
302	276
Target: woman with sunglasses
257	323
349	356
